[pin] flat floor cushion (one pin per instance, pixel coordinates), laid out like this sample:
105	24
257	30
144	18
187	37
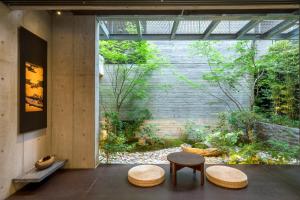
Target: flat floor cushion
227	177
146	175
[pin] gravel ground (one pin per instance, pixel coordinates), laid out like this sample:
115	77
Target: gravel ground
150	157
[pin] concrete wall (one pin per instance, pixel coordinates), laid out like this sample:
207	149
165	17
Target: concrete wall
174	106
75	100
18	152
73	94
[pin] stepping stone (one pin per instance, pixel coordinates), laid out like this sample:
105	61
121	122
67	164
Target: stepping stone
146	175
227	177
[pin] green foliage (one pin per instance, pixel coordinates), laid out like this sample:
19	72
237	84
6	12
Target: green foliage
115	143
270	152
125	52
224	140
148	132
112	123
222	123
279	92
273	79
244	120
129	64
247	154
281	151
194	132
137	118
228	72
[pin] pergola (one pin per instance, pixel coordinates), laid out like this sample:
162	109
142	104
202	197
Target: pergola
200	27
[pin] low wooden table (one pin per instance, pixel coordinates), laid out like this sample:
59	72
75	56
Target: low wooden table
182	159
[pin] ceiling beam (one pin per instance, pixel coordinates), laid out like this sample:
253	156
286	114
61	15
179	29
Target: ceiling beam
292	34
174	28
247	28
104	29
187	37
209	17
278	29
210	29
139	29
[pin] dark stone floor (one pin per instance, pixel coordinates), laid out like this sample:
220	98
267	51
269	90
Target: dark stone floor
109	182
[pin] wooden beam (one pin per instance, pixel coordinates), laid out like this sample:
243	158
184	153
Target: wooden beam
154	7
139	29
210	29
174	28
104	29
247	28
278	29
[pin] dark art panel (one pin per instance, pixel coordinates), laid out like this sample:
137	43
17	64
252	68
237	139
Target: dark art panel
33	81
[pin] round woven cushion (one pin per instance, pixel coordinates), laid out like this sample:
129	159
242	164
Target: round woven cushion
146	175
227	177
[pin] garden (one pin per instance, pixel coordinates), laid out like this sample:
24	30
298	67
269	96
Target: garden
271	80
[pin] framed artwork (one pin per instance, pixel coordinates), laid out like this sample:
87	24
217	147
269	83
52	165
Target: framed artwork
33	81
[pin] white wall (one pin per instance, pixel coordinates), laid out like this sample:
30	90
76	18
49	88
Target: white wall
18	152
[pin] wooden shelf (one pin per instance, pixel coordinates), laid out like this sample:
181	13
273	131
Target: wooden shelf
35	176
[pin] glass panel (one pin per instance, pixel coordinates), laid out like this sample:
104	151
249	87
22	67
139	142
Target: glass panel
264	26
192	27
121	27
158	27
229	27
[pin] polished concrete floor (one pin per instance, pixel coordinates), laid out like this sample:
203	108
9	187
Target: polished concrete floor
110	182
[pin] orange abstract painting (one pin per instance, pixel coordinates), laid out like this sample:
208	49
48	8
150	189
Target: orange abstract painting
34	88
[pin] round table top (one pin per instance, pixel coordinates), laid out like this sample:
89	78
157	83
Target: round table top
186	159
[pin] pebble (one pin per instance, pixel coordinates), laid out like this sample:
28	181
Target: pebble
150	157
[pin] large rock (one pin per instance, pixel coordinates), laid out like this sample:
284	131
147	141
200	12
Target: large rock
277	132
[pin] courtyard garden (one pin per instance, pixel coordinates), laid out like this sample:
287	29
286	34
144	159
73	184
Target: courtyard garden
263	129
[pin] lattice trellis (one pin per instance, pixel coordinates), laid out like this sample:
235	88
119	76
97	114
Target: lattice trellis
209	27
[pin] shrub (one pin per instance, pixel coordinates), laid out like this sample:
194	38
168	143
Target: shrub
247	154
194	132
148	132
270	152
114	143
112	123
223	140
223	123
244	120
282	151
137	118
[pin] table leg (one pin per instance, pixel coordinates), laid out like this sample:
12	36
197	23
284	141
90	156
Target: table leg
202	174
194	171
174	177
171	164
